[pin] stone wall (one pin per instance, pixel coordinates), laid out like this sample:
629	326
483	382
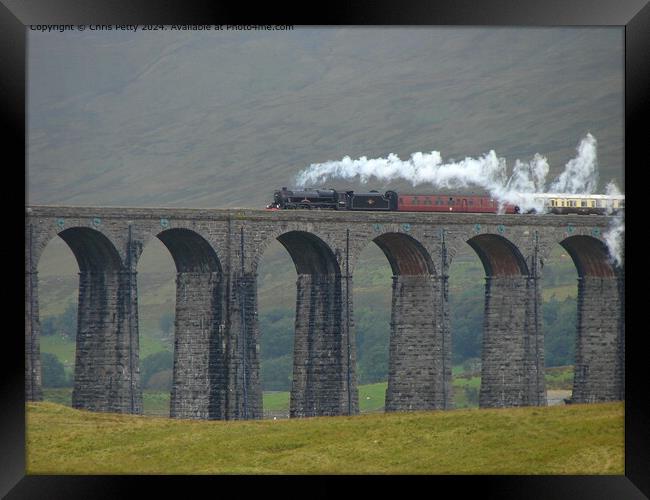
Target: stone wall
199	375
33	383
106	374
244	392
419	371
321	351
513	347
600	340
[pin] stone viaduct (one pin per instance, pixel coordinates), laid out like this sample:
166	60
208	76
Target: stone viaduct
217	252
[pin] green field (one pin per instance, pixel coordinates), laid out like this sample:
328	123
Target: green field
371	396
573	439
559	377
64	349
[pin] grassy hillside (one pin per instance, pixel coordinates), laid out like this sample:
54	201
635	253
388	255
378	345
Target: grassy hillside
218	119
575	439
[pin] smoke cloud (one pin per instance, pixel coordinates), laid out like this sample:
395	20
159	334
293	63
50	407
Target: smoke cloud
614	234
614	239
580	176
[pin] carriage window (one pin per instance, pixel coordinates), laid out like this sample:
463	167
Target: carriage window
471	202
621	204
583	203
451	201
427	201
401	200
415	201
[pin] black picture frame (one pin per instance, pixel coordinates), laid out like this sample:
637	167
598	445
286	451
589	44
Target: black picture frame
633	15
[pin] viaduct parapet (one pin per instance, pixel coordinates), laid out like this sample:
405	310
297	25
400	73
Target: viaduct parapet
216	373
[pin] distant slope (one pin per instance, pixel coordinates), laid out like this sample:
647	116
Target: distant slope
218	120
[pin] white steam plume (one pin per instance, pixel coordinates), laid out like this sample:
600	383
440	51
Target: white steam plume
614	234
614	239
580	175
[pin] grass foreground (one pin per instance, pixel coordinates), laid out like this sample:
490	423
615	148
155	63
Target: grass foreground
573	439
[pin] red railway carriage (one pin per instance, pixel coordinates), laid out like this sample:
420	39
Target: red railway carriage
445	203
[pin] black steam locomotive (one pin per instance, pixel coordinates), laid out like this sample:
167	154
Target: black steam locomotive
330	199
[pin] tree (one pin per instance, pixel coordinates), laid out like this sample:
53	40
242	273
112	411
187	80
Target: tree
277	373
160	381
166	324
560	331
53	372
466	317
155	363
67	324
277	327
48	326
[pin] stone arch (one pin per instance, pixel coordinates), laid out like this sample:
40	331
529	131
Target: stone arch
322	383
419	363
500	257
98	265
599	368
406	255
590	256
310	254
106	377
295	235
199	380
88	240
92	249
102	313
191	251
512	367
